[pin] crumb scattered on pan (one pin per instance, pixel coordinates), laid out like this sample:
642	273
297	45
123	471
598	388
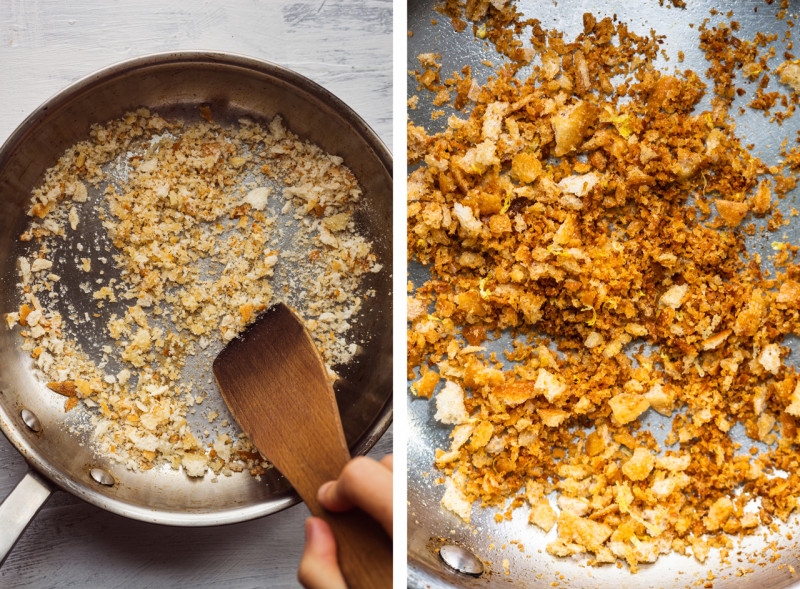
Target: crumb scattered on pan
195	218
603	225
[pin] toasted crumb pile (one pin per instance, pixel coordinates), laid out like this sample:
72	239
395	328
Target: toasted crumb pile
726	54
604	226
195	215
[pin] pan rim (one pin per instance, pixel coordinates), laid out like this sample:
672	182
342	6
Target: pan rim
11	426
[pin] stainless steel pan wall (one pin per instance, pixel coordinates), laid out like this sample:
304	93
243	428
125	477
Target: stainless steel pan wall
173	84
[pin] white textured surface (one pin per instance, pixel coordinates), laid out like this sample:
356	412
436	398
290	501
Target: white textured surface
343	45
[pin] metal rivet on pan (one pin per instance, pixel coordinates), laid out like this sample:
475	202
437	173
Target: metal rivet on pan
102	477
29	418
461	560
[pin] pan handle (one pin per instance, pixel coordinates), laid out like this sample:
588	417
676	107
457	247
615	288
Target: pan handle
18	509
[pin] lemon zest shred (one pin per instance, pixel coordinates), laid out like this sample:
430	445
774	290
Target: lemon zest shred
432	318
506	204
485	294
481	33
591	321
621	122
778	246
556	250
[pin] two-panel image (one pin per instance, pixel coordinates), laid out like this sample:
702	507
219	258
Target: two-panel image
360	293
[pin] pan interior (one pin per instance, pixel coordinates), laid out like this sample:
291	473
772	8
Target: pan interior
514	551
176	86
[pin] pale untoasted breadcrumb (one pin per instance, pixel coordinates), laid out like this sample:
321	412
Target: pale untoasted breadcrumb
195	465
549	385
674	296
40	264
471	226
579	185
454	500
789	74
258	197
165	224
770	358
450	404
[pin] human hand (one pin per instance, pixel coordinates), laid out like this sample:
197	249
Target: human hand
364	483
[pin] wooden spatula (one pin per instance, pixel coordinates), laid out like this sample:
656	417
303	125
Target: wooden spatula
277	388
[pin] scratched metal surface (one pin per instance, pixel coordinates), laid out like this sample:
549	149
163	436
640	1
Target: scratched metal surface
427	521
346	47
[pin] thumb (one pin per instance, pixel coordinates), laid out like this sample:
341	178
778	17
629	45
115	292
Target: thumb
319	568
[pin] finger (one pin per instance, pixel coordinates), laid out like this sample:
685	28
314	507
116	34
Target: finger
360	471
363	483
319	568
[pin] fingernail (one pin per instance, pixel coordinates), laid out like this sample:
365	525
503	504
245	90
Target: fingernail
323	491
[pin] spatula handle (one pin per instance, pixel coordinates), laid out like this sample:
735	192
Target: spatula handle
278	388
364	548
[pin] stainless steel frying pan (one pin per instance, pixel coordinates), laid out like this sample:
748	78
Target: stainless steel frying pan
430	527
176	84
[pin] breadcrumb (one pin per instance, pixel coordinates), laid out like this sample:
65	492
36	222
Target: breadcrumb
191	215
